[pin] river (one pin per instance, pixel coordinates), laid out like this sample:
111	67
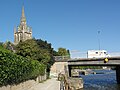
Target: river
106	80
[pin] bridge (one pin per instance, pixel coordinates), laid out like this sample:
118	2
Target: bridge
110	61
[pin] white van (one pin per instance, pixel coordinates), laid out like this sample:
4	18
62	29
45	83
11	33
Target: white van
97	54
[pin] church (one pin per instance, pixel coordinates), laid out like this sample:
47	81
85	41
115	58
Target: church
22	32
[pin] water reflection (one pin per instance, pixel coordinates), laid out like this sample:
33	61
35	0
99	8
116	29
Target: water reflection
104	81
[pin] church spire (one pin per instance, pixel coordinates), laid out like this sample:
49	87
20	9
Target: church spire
23	14
15	30
23	18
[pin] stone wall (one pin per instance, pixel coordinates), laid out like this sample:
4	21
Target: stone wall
69	83
25	85
58	67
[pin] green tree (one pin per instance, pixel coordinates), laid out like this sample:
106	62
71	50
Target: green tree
55	53
8	45
29	49
1	43
36	50
63	52
47	52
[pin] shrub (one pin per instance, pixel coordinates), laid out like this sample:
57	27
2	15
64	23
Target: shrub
15	69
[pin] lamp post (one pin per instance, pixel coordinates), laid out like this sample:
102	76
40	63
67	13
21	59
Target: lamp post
99	39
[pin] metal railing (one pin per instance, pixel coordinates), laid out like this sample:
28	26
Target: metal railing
59	58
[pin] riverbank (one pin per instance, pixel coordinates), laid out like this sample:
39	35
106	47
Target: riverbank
50	84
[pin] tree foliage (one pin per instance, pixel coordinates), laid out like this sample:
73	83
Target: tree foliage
1	43
47	51
8	45
33	56
36	50
63	52
28	48
15	69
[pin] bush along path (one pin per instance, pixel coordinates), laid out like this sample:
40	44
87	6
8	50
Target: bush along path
15	69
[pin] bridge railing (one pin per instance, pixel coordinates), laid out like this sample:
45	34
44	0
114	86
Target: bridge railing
60	58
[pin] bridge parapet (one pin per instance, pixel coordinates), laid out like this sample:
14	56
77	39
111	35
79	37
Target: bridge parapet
61	58
112	61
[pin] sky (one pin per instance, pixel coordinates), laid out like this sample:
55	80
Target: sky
71	24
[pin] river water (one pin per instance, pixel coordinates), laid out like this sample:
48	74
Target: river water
105	80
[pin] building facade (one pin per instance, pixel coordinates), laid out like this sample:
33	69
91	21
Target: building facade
22	32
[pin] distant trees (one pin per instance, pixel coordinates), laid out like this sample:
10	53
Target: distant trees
63	52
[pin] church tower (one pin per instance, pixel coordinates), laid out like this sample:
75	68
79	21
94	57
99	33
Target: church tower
22	32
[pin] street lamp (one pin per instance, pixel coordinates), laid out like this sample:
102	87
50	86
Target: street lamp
99	39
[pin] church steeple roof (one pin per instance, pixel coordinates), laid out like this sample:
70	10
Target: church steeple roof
23	18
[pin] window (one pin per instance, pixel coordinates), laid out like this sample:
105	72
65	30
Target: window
105	53
96	52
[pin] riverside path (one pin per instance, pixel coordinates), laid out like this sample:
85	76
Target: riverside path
50	84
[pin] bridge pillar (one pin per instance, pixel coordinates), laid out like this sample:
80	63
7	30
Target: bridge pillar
69	70
118	74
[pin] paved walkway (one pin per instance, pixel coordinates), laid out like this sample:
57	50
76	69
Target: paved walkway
50	84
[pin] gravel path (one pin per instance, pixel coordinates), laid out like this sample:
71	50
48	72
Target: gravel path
50	84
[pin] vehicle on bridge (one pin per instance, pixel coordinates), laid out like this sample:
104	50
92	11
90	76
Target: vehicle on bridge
97	54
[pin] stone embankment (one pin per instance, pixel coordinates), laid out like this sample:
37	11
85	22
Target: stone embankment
69	83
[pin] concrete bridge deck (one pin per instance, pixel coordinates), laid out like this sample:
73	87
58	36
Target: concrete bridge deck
112	61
